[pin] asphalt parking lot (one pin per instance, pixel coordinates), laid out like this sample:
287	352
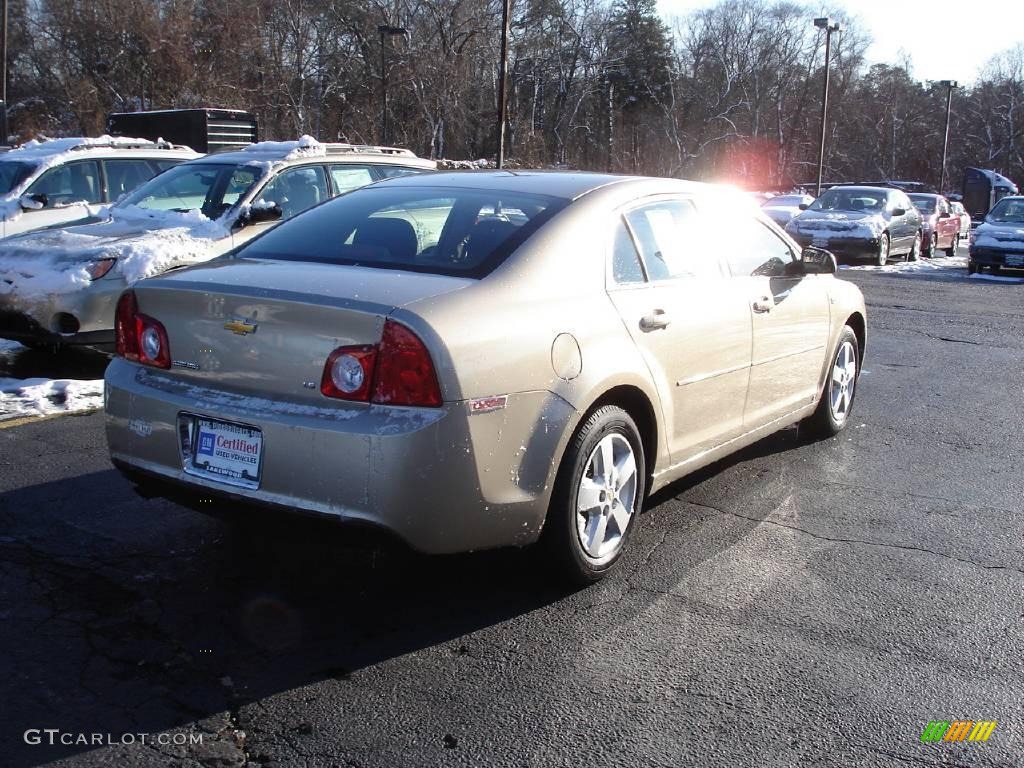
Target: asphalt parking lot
798	604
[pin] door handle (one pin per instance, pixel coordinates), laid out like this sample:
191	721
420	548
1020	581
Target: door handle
656	320
763	304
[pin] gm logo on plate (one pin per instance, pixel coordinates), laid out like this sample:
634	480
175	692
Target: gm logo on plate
206	441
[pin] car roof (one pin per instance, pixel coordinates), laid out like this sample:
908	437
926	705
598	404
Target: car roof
568	185
51	150
307	150
863	188
932	195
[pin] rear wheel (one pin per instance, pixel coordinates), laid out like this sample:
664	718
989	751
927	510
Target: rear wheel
954	244
915	249
836	401
882	254
598	495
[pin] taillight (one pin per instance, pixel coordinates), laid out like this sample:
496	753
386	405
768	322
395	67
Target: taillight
397	371
140	337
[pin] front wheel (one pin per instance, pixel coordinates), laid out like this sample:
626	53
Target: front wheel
836	401
915	250
954	244
882	254
972	266
598	495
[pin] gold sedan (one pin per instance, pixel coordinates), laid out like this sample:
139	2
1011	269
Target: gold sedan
476	360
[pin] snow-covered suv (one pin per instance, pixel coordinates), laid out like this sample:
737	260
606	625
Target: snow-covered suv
56	181
60	286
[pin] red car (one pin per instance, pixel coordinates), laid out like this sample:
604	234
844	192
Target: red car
940	227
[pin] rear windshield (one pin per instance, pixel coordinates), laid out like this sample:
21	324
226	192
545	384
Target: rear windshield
868	200
923	203
443	231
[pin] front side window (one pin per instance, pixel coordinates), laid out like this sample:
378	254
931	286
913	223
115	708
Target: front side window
211	188
754	250
463	232
669	235
77	182
296	189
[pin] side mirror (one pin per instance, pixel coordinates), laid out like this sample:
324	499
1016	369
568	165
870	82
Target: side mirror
818	261
899	211
33	202
803	206
261	212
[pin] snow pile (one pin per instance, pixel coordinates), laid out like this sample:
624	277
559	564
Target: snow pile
306	146
8	347
997	278
59	146
42	397
144	242
944	263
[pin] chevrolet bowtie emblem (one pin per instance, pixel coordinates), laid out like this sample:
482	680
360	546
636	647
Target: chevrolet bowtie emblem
240	325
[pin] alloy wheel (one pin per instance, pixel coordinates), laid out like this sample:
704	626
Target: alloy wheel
606	497
844	379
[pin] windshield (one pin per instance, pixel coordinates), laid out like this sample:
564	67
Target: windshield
211	188
785	201
867	200
923	203
443	231
1008	211
12	173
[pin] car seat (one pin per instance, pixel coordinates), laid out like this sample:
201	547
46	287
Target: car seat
302	194
395	236
485	237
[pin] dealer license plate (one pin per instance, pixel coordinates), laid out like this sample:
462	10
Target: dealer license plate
232	453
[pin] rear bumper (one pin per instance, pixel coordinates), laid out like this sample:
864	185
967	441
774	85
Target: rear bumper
443	480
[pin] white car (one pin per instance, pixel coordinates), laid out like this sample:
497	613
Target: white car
60	286
56	181
965	218
782	208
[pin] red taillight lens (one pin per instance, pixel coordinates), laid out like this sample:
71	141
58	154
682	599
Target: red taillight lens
398	371
349	373
140	337
405	372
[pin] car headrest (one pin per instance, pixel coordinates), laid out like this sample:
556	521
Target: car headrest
396	236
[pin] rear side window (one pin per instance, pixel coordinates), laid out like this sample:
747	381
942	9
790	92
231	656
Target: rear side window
348	177
125	175
626	267
668	234
464	232
391	171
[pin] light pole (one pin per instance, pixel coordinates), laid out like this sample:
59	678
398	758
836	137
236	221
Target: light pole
3	73
386	30
950	85
829	26
502	77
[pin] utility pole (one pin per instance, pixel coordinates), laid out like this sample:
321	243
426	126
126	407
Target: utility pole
386	30
502	77
829	26
3	73
950	85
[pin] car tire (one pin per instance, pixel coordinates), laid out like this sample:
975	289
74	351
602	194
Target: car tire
972	267
915	249
844	373
583	545
882	255
933	246
954	244
995	269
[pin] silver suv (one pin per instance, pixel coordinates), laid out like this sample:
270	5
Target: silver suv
56	181
60	286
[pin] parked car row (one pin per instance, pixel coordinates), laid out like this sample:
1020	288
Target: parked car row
60	285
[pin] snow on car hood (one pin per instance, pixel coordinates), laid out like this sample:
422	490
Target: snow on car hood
850	223
990	235
144	242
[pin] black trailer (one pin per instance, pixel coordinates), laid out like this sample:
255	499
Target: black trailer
204	130
982	190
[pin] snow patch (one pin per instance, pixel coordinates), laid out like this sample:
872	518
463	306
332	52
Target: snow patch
997	278
43	397
943	263
306	146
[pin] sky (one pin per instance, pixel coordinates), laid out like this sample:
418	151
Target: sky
945	39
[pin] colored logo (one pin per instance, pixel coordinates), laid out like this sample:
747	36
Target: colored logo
240	325
206	442
958	730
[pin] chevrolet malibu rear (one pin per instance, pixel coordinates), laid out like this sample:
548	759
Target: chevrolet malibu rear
478	360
